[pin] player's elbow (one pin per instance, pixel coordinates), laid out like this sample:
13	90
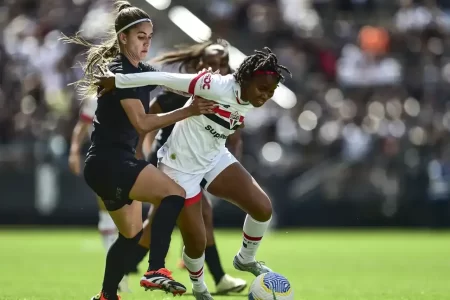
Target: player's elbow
141	126
147	123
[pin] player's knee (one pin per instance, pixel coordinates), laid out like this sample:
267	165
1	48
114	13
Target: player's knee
195	245
175	190
263	212
131	235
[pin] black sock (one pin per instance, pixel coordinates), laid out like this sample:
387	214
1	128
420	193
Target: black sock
134	259
163	224
115	264
212	260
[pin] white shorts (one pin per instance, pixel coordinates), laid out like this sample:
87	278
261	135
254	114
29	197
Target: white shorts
193	183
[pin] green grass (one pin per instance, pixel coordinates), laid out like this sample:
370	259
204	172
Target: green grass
321	265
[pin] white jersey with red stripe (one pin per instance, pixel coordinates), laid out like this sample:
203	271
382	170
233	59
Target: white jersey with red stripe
197	143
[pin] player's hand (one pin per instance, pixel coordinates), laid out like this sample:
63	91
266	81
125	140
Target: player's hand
209	70
200	106
106	80
75	163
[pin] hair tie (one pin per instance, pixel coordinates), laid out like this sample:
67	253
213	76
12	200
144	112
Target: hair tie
261	72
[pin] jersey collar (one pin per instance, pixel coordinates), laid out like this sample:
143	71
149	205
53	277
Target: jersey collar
237	95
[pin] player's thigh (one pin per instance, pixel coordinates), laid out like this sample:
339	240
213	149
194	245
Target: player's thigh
118	178
128	219
152	185
192	229
190	183
230	181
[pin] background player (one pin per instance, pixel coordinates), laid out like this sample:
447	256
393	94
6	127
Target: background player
195	155
191	59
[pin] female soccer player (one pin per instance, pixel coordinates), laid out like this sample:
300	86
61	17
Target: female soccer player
192	59
195	155
111	168
106	226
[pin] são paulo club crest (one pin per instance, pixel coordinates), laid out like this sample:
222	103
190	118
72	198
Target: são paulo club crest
234	118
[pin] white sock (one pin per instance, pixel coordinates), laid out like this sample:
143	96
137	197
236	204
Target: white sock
253	234
107	228
195	269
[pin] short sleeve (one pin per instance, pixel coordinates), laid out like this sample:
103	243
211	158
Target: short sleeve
162	100
148	68
169	101
88	109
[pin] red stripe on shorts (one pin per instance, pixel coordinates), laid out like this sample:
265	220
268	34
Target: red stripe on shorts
193	200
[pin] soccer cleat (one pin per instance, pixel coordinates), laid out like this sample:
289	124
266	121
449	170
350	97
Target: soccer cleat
205	295
230	284
255	267
100	296
162	280
123	285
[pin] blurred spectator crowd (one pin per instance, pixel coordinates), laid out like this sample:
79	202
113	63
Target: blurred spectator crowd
371	78
35	68
372	81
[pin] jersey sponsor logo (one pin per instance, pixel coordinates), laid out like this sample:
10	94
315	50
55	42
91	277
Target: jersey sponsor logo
206	82
215	133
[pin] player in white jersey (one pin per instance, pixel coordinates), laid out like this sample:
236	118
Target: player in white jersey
195	155
106	226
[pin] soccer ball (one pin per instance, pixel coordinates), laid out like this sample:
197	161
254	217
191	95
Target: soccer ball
271	286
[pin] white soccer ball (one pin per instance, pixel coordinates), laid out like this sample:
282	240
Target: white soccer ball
271	286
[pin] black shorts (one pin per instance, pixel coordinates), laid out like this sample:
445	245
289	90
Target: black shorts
112	175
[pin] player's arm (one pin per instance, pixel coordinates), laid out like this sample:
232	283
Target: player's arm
155	108
144	122
194	84
235	144
139	148
146	140
79	134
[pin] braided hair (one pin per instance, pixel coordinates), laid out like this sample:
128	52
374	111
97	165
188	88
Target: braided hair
260	61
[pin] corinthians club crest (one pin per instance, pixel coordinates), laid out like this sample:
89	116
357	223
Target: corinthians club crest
234	118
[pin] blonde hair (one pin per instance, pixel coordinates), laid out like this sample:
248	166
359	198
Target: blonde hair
188	56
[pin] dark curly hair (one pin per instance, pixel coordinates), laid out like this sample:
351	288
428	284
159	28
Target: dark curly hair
260	61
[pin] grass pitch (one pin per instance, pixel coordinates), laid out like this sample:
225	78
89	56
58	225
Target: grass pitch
321	265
